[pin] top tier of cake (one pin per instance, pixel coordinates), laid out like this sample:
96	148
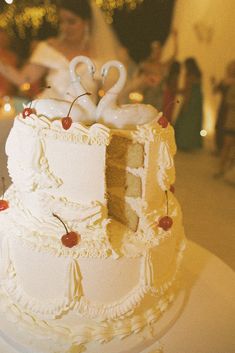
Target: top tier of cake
90	174
114	164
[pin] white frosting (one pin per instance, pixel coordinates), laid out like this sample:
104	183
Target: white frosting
114	282
36	164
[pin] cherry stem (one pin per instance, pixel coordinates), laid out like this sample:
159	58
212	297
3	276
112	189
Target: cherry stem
44	87
169	104
84	94
66	229
3	187
167	210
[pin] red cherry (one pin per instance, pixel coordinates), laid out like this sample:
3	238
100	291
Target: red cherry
3	205
27	112
66	122
163	121
172	189
70	239
165	222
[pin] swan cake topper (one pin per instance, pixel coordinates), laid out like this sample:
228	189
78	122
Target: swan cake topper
108	111
124	116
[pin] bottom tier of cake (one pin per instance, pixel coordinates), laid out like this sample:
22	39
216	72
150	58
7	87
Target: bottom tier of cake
98	297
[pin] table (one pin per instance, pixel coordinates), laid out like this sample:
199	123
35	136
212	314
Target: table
205	323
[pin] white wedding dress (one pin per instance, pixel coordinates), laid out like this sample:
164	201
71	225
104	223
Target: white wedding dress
58	77
104	46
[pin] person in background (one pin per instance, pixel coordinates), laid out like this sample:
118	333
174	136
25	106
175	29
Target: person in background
189	120
81	25
8	56
29	91
170	90
228	126
150	74
222	87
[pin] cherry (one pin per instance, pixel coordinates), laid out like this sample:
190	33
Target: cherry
3	203
27	112
165	222
163	121
70	239
67	120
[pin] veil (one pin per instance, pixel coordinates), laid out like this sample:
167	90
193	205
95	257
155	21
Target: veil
105	45
103	41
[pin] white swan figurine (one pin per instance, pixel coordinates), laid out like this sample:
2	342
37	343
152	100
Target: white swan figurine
125	116
57	108
83	110
85	101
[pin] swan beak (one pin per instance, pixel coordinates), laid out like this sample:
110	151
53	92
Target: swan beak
103	76
92	72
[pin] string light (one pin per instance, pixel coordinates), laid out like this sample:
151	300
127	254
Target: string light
108	6
203	133
136	97
7	107
26	14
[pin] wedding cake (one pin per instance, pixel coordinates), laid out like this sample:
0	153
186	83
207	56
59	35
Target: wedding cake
90	230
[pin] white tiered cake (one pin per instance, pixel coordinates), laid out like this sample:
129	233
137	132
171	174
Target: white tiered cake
90	231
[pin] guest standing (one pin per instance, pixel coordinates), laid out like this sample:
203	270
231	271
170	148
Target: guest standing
151	73
189	121
228	130
170	90
222	88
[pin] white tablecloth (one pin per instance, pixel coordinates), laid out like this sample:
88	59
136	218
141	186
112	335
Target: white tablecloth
206	321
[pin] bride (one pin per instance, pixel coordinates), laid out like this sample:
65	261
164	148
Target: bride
82	31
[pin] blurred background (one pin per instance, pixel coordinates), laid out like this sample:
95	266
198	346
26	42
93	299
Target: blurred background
199	30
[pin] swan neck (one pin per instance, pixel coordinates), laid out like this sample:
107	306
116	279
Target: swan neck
119	85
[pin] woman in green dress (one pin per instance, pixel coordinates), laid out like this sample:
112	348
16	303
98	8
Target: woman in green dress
189	121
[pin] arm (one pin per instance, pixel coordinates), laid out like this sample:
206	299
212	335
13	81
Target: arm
175	38
29	73
168	62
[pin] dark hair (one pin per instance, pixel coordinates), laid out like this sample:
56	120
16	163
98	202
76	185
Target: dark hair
174	71
174	68
192	67
81	8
